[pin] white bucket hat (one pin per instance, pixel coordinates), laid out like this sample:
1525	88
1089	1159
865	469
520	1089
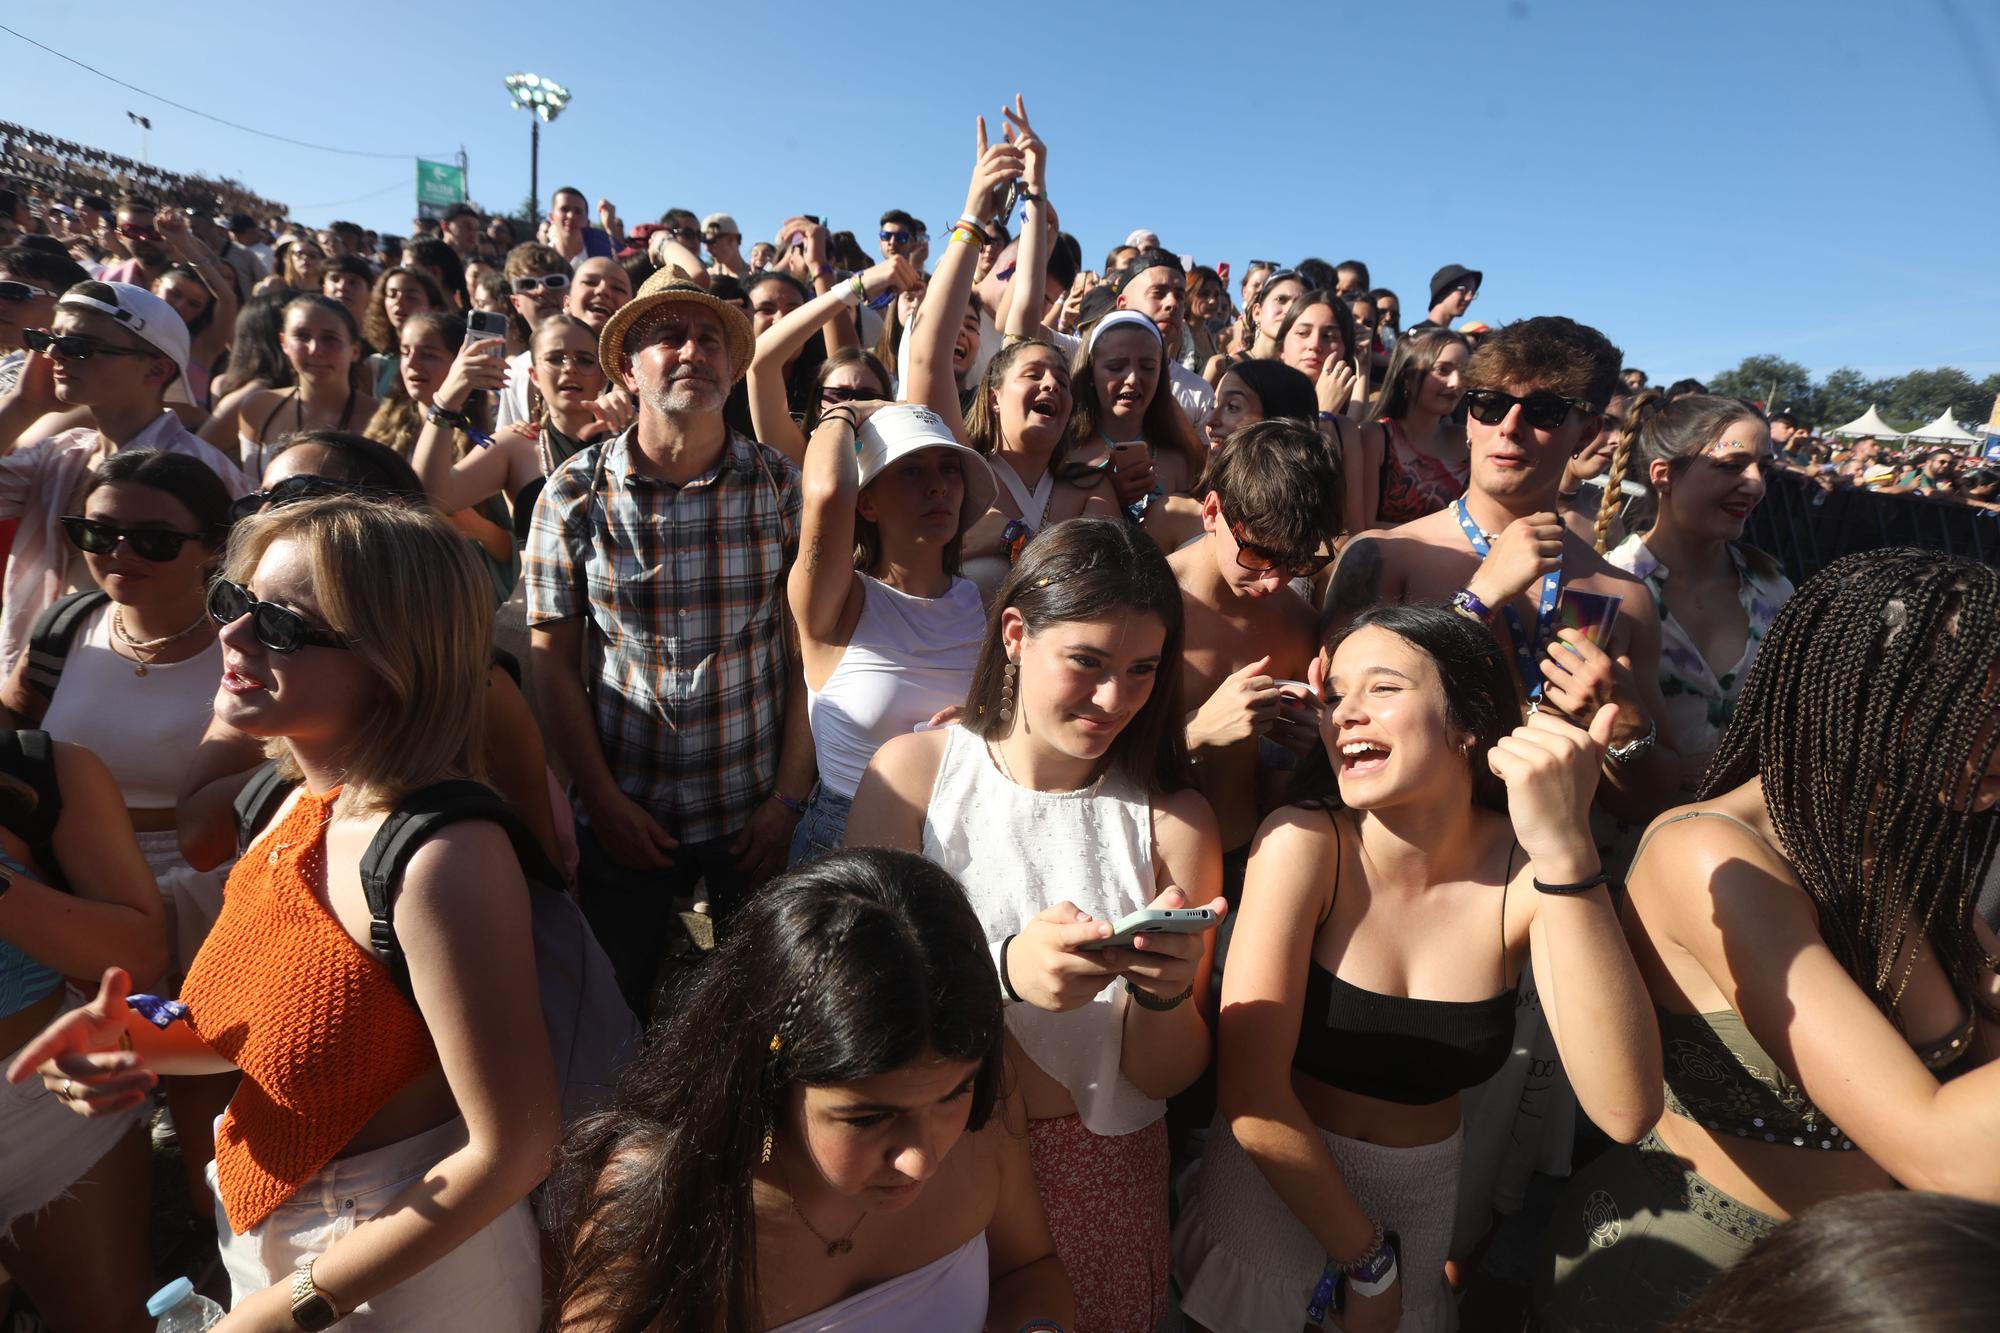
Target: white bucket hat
902	429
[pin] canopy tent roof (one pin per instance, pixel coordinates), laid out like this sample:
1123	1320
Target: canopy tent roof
1869	423
1944	431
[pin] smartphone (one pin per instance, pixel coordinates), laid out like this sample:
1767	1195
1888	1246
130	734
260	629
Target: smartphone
1297	697
1129	454
1153	921
1010	200
483	324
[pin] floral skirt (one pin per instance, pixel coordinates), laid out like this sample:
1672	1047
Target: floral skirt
1106	1198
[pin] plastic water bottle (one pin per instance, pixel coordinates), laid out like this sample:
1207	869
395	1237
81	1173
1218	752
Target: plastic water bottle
179	1308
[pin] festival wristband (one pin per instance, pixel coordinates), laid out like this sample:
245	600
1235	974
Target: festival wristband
963	235
1007	982
1145	999
796	807
852	292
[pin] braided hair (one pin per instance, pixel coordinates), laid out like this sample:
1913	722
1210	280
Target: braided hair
853	965
1870	715
1642	406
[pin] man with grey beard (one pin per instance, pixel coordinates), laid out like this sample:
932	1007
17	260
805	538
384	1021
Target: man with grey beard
659	557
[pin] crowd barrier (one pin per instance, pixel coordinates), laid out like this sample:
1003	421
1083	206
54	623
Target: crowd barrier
66	169
1807	528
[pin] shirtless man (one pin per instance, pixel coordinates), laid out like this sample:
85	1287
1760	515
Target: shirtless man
1537	391
1270	502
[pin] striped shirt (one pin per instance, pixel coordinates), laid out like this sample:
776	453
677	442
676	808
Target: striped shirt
684	587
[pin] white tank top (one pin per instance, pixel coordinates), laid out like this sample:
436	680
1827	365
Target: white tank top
947	1295
1018	851
144	728
908	658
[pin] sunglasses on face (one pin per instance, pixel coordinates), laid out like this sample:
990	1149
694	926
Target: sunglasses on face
684	233
92	537
22	291
278	628
831	394
1542	409
77	346
893	237
553	282
133	231
1262	560
290	491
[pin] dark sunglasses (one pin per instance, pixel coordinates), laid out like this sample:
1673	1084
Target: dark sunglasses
831	394
132	231
22	291
1262	560
553	282
895	237
1542	409
684	233
289	491
77	346
278	628
1084	475
158	545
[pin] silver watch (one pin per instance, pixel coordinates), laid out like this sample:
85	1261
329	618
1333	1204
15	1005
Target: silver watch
1634	750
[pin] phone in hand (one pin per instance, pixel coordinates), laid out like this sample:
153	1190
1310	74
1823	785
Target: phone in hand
1129	454
1298	703
483	324
1010	199
1153	921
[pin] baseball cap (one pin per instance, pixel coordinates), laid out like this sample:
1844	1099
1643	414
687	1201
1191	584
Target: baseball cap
1449	277
719	224
149	318
902	429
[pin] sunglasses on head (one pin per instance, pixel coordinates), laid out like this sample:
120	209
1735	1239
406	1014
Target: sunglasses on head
278	628
22	291
1262	560
290	491
552	282
77	346
93	537
1543	409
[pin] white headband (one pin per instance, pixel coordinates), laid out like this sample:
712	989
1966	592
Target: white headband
1120	319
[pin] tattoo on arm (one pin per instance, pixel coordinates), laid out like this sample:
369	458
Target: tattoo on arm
1357	579
812	556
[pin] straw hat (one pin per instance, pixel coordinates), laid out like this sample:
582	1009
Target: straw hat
666	287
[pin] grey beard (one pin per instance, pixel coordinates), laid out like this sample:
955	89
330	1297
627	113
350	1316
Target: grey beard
678	397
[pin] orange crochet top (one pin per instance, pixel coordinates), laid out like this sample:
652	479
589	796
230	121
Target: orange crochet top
312	1018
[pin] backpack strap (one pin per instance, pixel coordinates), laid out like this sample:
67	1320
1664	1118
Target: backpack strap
31	757
258	801
49	640
417	818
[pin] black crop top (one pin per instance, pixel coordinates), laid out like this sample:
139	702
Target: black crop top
1409	1051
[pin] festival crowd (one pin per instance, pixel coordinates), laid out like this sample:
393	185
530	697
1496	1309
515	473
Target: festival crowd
614	781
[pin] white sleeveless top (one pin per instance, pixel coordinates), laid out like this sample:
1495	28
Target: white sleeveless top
144	728
1017	852
947	1295
908	658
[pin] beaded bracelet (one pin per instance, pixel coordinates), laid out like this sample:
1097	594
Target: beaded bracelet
1147	1000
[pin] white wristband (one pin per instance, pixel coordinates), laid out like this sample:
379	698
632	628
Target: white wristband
852	292
1377	1287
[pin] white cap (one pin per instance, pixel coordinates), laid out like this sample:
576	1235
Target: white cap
902	429
146	315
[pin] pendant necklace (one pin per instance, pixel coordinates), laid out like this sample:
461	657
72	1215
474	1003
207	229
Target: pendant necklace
837	1247
147	649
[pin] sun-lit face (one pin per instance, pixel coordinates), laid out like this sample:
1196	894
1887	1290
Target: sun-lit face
317	342
1713	494
317	695
1081	682
130	579
1033	400
426	361
598	288
1386	725
878	1140
679	360
1126	366
1274	302
566	366
1313	340
1236	406
1159	293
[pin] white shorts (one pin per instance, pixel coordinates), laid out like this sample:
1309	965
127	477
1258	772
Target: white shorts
490	1284
44	1146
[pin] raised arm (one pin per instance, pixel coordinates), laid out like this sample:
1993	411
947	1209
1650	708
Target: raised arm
212	341
455	483
822	579
1025	304
780	344
942	315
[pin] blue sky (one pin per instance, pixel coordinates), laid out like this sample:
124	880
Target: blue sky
1702	180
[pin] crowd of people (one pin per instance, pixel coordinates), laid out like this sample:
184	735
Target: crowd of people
634	783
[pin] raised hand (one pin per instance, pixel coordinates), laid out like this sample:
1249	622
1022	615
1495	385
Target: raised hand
478	365
1527	549
994	165
1551	769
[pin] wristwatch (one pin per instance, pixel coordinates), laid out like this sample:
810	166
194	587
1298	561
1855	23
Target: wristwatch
311	1310
1639	749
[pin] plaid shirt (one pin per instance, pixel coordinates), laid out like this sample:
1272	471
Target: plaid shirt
684	587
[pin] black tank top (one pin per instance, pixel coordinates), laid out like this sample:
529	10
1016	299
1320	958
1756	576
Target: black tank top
1399	1049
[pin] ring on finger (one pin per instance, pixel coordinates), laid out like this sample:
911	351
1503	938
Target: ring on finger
66	1092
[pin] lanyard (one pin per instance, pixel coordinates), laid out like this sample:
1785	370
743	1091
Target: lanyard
1524	647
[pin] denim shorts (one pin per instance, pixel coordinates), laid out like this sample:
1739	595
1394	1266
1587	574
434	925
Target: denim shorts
490	1284
822	826
44	1146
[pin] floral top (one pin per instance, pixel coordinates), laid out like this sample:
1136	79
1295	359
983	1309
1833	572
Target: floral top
1699	700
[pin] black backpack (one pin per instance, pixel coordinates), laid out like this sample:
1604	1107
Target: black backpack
49	639
31	757
592	1031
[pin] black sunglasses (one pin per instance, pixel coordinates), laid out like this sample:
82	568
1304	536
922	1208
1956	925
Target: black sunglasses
158	545
829	394
553	282
22	291
77	346
1543	409
290	491
278	628
1262	560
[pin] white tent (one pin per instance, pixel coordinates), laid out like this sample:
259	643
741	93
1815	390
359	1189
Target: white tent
1944	431
1868	423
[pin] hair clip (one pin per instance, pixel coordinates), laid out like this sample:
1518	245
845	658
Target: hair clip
777	1043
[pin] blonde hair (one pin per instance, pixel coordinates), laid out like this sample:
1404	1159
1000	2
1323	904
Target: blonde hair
400	585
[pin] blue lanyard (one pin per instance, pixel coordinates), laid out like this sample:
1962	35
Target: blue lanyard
1524	647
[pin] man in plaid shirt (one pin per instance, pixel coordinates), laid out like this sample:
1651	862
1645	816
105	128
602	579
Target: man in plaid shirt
656	575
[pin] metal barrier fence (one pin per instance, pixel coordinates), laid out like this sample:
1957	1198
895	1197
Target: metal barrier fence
1807	528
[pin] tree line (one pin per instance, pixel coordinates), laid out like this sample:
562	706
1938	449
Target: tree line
1906	401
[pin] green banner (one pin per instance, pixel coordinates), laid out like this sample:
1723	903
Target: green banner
439	186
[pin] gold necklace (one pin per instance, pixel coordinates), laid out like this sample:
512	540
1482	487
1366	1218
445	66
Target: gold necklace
148	649
838	1247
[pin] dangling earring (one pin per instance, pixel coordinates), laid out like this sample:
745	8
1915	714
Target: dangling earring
766	1158
1008	674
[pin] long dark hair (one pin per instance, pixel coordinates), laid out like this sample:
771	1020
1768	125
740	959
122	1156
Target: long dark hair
851	966
185	478
1889	1262
1412	359
255	352
1086	569
1479	695
1871	697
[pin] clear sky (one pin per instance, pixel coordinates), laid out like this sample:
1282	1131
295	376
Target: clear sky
1813	178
